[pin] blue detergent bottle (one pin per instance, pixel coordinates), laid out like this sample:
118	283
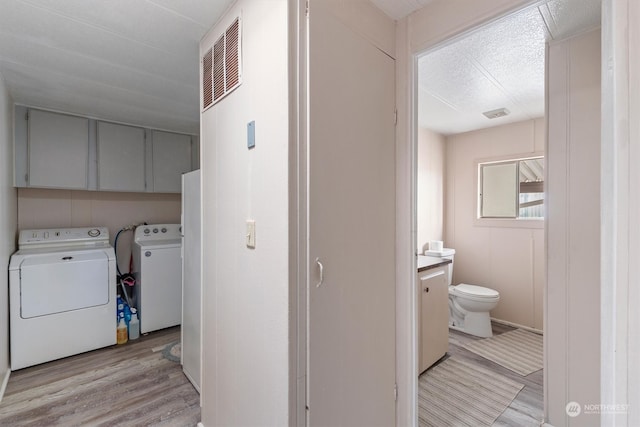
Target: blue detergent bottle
127	314
119	308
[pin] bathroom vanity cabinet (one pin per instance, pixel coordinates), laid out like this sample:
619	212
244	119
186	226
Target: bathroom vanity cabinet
433	299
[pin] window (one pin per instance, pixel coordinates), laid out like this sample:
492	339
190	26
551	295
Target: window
511	189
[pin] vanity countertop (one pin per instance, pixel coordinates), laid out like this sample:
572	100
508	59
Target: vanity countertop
429	262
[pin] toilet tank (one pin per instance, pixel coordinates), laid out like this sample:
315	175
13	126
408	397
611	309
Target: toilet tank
446	253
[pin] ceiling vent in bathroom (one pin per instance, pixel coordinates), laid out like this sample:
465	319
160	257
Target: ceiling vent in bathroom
494	114
221	66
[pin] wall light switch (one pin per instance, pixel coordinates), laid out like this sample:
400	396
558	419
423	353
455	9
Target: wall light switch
251	233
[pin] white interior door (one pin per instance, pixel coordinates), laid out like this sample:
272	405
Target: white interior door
351	194
191	278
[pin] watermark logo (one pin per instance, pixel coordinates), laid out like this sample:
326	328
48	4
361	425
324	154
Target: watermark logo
573	409
600	408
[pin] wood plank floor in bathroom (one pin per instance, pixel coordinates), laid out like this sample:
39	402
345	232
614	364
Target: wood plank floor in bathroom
133	384
527	409
126	385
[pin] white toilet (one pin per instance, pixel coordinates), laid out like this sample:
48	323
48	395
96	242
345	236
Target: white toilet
469	305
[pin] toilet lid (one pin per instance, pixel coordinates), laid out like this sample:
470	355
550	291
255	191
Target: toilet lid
476	291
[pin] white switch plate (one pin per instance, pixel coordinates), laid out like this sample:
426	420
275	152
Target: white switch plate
251	233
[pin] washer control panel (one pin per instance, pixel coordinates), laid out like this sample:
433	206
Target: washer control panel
158	232
85	236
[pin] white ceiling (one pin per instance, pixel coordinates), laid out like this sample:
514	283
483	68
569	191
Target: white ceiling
501	65
398	9
137	61
121	60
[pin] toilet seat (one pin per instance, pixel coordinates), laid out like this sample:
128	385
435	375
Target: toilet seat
475	292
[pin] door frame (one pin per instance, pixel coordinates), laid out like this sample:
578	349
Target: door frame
298	212
620	342
620	208
406	205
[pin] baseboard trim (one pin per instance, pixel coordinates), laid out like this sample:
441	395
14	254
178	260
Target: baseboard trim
515	325
5	381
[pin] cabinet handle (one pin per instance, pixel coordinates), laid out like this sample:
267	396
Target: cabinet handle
321	267
426	289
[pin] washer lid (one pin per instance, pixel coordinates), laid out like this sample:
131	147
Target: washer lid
476	291
52	256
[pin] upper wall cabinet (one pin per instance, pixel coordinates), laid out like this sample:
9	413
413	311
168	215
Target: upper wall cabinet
58	150
120	157
171	158
54	150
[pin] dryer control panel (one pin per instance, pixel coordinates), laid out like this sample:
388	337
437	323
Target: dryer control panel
51	237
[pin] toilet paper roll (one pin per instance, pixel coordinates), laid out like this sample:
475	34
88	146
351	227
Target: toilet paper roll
435	245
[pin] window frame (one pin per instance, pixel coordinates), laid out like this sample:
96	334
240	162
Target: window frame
508	222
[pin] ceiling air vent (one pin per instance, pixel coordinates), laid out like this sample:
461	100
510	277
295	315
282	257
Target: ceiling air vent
494	114
221	66
207	80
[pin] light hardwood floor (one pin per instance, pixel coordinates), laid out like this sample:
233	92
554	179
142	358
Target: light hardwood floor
125	385
527	408
134	385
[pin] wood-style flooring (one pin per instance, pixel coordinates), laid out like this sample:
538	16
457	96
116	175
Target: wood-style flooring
124	385
527	408
134	385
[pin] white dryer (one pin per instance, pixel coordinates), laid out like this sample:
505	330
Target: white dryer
62	294
157	266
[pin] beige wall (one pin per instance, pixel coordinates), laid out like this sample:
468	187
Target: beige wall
8	221
572	339
501	255
246	302
44	208
430	185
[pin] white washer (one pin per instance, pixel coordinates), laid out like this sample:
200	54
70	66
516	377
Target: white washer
157	263
62	294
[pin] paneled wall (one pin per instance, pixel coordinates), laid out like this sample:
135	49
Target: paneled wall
431	161
572	372
245	370
501	255
7	224
42	208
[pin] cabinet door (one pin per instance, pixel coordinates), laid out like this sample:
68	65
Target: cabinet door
434	316
58	150
120	157
171	158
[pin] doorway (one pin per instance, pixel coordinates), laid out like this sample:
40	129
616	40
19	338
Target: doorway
455	100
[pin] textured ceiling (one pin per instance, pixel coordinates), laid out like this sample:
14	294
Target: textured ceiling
122	60
501	65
